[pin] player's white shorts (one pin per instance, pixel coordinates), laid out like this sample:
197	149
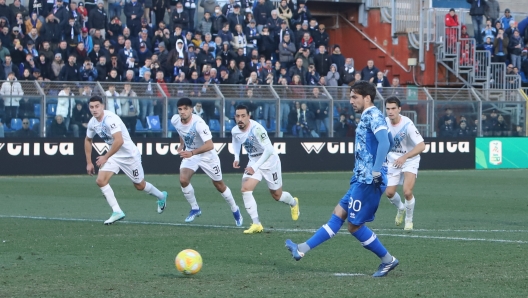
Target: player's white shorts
131	166
209	164
395	175
272	174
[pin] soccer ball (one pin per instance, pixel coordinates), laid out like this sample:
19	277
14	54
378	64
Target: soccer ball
188	262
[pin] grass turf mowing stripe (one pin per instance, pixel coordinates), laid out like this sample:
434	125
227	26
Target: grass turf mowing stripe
268	229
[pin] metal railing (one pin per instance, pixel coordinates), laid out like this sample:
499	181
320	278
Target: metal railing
271	105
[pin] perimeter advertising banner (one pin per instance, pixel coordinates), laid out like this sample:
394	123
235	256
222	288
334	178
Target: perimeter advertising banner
159	156
501	153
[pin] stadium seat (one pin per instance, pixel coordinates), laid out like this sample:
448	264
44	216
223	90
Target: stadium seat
139	126
214	125
33	121
322	128
336	113
273	125
51	110
36	110
16	124
170	127
154	123
263	123
229	124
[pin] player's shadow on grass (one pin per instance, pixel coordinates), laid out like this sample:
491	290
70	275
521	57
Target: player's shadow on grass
175	275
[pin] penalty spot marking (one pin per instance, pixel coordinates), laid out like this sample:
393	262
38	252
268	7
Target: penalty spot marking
277	230
349	274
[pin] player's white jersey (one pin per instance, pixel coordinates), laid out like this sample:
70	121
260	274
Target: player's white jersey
194	134
406	136
254	139
111	124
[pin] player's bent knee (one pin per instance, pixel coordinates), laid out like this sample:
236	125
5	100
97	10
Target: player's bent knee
408	194
101	182
141	185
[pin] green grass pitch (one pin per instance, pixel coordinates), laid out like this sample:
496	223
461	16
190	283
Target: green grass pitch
470	240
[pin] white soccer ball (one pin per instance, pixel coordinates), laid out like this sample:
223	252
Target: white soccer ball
188	261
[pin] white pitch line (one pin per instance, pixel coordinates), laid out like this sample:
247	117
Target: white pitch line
349	274
269	229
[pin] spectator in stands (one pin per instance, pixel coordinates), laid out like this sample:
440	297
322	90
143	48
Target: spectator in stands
112	97
69	72
492	10
302	13
129	108
321	37
447	122
381	80
65	106
7	67
489	31
501	128
235	18
506	19
284	11
500	45
58	128
134	12
341	127
88	73
287	50
80	117
239	39
312	76
463	130
322	59
477	11
219	19
369	72
26	108
262	13
347	73
397	89
209	6
515	47
298	69
513	28
57	65
11	92
321	109
518	132
25	131
98	19
452	24
488	46
332	77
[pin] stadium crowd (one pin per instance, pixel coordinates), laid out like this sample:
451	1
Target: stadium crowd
245	43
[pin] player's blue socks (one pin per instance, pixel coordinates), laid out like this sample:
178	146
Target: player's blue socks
324	233
369	241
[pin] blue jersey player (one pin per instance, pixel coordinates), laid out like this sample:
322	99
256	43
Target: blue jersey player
367	185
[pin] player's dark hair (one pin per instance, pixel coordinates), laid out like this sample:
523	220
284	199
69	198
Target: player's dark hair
393	99
184	101
364	88
242	107
96	98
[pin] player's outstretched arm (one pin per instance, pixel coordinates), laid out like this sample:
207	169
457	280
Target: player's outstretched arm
236	151
88	152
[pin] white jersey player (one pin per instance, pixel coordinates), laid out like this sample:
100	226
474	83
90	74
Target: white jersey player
197	151
263	163
404	161
123	155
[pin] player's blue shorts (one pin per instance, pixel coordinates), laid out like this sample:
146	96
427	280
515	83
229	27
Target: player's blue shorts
362	200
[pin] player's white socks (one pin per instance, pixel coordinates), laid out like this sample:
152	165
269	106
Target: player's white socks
110	198
396	201
228	196
409	206
287	199
188	193
153	191
251	206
